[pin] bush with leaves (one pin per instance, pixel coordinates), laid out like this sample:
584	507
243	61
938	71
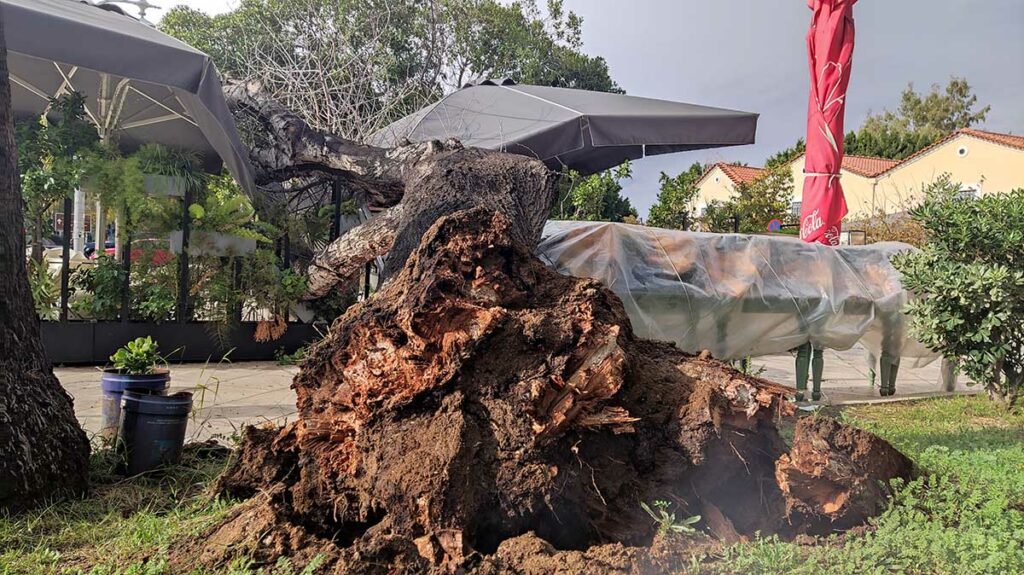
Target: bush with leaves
101	286
674	208
595	198
45	290
754	203
969	283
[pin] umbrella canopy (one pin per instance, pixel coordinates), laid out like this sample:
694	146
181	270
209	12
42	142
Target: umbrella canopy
830	52
139	83
579	129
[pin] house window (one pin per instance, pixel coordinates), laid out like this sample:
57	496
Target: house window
794	209
962	151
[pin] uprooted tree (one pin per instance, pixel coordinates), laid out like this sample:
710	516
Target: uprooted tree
484	413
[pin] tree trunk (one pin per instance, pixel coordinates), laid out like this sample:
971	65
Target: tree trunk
43	451
414	184
481	413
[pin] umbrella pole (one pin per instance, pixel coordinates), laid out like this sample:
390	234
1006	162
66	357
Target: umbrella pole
183	271
65	268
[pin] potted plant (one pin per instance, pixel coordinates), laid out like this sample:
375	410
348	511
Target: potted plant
136	365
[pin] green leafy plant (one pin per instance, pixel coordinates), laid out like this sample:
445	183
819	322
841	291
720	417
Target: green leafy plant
45	290
969	284
284	358
101	286
666	520
138	357
51	160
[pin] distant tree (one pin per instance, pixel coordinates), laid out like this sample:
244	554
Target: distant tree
718	217
941	111
673	210
786	156
51	159
919	121
755	204
596	198
353	66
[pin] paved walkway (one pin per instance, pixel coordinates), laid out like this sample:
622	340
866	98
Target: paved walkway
232	395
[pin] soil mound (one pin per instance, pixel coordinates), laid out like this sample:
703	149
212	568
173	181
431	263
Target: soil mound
484	414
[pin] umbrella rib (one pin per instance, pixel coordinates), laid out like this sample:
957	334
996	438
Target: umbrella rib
150	121
162	105
67	84
120	93
29	86
543	100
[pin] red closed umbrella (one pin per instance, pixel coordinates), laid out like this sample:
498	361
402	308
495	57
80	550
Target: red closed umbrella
830	52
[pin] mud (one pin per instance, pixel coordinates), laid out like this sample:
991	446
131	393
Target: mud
483	414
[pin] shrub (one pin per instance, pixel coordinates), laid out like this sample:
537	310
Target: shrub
969	284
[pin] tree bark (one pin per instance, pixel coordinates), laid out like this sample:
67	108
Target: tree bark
480	396
419	183
43	451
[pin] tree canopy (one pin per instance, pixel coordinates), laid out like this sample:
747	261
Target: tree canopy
354	66
596	198
919	121
754	203
674	207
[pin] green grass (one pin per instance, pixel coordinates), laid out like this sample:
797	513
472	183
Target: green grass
119	523
965	518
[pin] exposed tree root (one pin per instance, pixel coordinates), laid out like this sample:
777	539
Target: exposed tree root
483	414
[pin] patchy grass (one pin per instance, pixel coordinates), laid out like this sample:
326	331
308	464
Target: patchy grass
118	524
966	517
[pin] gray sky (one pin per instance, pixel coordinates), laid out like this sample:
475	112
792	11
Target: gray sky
750	55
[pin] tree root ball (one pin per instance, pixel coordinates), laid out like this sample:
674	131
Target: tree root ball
483	414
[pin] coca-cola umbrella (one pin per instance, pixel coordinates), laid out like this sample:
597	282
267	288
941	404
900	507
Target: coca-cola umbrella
578	129
830	51
139	83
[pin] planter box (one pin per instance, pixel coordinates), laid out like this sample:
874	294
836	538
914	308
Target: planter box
93	342
212	244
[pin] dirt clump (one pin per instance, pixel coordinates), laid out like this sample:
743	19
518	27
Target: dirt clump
483	414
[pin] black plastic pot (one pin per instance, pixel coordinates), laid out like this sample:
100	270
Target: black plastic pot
114	382
152	430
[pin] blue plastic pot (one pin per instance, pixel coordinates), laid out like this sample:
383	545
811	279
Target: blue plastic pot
114	382
152	430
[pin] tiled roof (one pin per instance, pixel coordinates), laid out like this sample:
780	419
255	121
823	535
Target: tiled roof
994	137
867	166
740	174
1004	139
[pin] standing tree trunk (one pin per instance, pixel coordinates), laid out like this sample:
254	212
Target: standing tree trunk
43	451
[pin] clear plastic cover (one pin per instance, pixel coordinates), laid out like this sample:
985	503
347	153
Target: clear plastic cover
738	295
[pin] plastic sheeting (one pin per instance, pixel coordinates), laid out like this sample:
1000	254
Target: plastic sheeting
738	295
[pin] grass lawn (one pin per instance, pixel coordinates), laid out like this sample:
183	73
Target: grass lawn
967	517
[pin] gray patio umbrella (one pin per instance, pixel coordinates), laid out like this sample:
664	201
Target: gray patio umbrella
579	129
139	83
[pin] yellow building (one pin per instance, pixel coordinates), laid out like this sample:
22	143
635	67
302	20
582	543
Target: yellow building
719	183
859	178
982	162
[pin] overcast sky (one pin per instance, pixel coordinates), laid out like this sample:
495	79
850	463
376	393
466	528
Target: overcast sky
750	55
